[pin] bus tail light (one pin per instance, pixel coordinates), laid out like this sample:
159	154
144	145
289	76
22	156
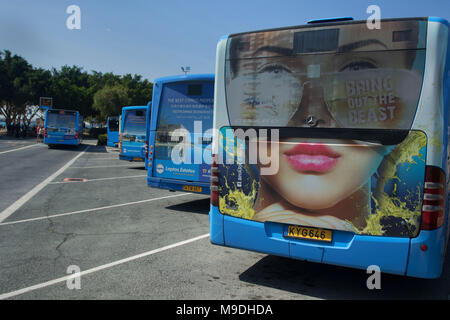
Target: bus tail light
120	141
150	154
214	181
146	149
45	133
433	199
76	134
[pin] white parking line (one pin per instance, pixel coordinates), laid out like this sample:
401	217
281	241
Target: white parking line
17	149
99	179
93	209
102	267
16	205
109	158
121	165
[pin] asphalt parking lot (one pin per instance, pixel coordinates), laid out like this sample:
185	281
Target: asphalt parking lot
130	241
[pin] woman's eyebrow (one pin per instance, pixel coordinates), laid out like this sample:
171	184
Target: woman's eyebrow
344	48
359	44
273	49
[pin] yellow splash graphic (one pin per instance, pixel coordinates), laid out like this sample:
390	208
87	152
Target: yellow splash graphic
241	203
392	206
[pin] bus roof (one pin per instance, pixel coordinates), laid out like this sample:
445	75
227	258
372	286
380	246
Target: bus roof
182	78
331	22
134	108
52	109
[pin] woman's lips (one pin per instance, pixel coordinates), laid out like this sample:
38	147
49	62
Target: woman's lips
312	157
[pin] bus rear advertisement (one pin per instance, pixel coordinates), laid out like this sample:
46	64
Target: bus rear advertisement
180	134
63	127
133	131
340	144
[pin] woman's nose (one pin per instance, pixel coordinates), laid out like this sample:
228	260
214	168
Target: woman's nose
312	110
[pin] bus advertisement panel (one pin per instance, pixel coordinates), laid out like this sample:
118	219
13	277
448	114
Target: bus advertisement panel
181	133
336	157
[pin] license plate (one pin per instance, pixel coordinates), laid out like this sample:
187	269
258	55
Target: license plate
309	233
137	159
192	188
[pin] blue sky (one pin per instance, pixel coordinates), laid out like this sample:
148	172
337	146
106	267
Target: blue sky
154	38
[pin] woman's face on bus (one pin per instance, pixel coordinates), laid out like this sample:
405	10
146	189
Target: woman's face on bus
314	174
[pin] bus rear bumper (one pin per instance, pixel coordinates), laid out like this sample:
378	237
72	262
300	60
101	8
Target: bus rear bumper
131	158
177	185
67	142
112	144
391	254
426	257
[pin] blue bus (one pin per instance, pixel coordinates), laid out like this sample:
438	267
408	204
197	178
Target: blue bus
335	139
112	127
63	127
132	134
180	135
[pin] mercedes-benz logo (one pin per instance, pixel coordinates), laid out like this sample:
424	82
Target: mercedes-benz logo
311	121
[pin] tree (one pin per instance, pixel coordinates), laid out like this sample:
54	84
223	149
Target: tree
110	100
94	94
14	87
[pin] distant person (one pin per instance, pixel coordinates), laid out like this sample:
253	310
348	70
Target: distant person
17	127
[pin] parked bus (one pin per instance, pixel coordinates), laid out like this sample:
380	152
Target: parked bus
63	127
133	130
180	136
352	154
112	127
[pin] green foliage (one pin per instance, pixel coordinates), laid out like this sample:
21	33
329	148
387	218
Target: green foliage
110	100
102	139
95	132
95	94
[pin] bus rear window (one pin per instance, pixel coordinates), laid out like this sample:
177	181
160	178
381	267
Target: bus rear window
182	105
340	77
113	124
61	120
134	124
194	90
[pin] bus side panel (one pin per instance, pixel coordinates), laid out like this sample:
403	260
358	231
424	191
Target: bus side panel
113	138
216	235
427	263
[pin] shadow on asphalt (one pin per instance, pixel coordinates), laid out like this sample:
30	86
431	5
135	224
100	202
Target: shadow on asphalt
200	206
81	147
137	168
333	282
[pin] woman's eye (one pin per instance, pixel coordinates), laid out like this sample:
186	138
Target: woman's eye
274	68
358	65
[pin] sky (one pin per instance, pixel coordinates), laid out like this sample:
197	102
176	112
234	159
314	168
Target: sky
155	38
